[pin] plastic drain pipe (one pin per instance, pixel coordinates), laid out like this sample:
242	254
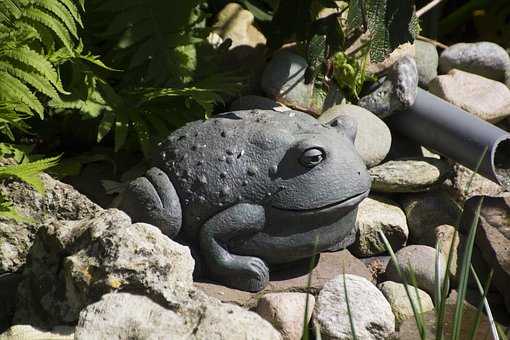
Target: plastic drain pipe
458	135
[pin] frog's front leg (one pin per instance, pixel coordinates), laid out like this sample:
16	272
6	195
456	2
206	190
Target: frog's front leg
152	199
241	272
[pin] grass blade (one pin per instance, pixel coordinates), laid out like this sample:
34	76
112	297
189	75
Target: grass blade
417	316
464	273
484	303
351	321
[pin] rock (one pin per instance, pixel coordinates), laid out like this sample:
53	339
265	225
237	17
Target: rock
466	184
293	277
285	312
409	175
409	331
442	236
22	332
373	320
421	261
404	50
59	201
379	214
397	92
484	58
253	102
425	211
485	98
89	258
236	23
284	81
377	266
399	301
492	237
427	60
373	140
8	287
113	317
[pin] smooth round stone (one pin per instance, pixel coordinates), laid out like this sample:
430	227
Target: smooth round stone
484	58
379	214
370	311
285	311
486	98
373	139
399	301
284	80
426	211
419	261
409	175
427	60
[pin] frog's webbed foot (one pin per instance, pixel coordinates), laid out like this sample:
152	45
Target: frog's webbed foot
240	272
152	199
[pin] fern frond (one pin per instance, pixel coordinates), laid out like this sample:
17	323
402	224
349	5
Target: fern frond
58	9
71	7
36	61
34	79
12	89
29	172
42	17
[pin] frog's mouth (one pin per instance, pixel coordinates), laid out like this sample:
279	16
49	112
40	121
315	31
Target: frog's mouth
345	204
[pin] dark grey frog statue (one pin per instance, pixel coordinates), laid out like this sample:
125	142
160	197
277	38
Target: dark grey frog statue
253	188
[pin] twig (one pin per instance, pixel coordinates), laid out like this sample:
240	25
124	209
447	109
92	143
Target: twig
432	41
427	7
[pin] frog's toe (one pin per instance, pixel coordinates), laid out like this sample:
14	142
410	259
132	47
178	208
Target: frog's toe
152	199
253	274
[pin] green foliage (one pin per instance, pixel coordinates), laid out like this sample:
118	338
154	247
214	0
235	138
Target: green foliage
349	73
388	22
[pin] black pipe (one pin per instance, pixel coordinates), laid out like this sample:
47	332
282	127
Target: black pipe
458	135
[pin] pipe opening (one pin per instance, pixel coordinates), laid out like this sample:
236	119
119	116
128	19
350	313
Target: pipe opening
502	163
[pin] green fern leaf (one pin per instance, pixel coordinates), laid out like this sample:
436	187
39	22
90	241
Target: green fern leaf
13	89
36	80
58	9
44	18
71	7
38	62
29	172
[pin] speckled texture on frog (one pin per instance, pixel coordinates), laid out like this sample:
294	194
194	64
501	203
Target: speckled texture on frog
253	188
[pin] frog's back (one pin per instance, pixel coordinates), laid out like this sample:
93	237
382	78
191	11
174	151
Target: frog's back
225	160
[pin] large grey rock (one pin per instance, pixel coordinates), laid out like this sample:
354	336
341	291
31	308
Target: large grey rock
409	175
397	92
492	237
59	201
400	303
427	60
28	332
425	211
377	214
286	311
483	97
373	140
467	183
284	80
484	58
129	316
370	311
8	287
86	259
419	261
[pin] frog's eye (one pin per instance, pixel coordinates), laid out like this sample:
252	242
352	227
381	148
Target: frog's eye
311	157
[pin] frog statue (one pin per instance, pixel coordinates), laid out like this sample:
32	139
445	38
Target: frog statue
253	188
